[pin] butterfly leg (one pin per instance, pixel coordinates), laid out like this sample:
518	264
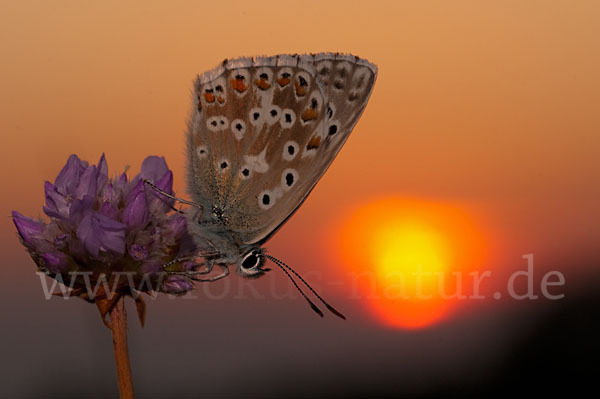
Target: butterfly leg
209	264
209	267
174	261
215	278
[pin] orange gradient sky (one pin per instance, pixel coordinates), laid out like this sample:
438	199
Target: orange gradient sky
493	106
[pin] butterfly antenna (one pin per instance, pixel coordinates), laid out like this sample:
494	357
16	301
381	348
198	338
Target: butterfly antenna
312	305
282	264
148	182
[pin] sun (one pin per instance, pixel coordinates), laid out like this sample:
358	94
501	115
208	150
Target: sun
404	256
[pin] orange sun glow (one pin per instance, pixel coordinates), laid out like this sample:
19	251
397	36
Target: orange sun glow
405	256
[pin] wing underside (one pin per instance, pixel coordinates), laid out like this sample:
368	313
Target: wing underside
264	130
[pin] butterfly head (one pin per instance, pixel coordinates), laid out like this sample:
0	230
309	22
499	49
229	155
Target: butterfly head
251	262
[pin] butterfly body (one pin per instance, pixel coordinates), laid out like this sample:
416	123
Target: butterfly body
262	132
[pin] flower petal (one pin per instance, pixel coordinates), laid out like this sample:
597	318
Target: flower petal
112	234
97	231
177	285
159	202
79	208
135	213
68	178
138	252
102	172
87	183
87	235
154	168
56	203
27	227
175	226
56	262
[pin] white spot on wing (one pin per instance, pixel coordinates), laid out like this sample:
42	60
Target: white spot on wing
223	165
266	199
290	150
303	81
333	128
289	177
288	118
257	163
223	123
256	117
264	73
212	124
316	100
220	90
273	114
202	151
245	172
238	127
235	76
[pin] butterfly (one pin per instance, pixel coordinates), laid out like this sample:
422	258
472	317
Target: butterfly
262	132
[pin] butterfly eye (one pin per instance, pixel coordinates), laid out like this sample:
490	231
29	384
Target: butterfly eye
251	260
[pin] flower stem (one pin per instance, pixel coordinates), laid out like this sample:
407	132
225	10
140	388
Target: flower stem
118	319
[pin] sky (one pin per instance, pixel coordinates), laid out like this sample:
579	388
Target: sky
482	128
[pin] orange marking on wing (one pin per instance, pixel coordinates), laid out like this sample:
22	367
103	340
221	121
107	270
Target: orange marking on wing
283	81
209	97
310	114
262	83
300	91
221	100
238	85
314	142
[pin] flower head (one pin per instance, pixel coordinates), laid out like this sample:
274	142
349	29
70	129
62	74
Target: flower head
112	228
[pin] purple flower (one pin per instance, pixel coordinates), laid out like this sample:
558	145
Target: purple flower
27	227
106	225
138	252
68	178
155	169
97	231
56	262
135	213
177	285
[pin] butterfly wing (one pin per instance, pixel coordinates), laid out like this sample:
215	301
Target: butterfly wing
264	131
